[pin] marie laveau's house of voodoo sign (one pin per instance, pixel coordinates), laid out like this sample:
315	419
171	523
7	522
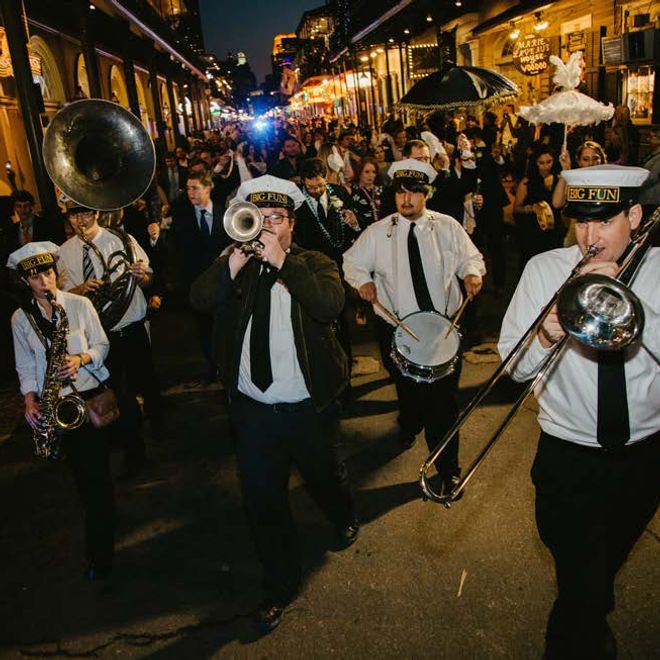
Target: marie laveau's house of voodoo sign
531	54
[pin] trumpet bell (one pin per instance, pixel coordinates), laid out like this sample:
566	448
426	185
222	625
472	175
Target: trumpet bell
243	221
99	154
600	312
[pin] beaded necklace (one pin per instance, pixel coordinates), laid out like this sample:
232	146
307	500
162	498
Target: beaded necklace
372	201
311	202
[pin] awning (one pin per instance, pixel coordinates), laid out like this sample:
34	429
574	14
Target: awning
510	14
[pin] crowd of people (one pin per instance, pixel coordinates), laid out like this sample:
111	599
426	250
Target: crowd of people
407	220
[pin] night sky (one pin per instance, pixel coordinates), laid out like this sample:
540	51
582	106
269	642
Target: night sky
250	25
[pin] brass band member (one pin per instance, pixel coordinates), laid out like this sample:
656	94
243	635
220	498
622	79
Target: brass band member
283	370
74	357
130	362
410	261
597	468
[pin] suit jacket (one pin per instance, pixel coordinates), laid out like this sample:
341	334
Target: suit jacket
164	181
196	252
308	233
43	229
317	298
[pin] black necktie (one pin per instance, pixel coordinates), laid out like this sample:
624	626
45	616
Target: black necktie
422	294
323	217
613	422
260	367
203	227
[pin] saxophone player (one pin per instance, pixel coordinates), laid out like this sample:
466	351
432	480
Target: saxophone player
60	344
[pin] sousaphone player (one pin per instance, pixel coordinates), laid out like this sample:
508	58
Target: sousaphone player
102	159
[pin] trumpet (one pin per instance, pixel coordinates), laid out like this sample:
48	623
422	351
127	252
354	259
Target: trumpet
597	311
243	222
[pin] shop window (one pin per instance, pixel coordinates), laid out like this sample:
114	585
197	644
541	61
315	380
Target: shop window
82	84
639	94
507	48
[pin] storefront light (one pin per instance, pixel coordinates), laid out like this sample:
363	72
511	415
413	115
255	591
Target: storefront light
406	31
540	24
515	32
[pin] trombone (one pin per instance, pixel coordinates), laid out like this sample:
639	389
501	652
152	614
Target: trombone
598	311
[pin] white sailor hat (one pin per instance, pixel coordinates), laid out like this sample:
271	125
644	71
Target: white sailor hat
602	191
411	171
32	258
270	191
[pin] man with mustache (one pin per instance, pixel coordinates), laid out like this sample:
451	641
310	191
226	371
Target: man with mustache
410	262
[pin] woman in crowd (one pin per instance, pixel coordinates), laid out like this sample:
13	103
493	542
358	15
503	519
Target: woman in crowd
366	192
588	154
539	226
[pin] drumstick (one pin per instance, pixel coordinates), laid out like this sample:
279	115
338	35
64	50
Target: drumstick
458	315
395	319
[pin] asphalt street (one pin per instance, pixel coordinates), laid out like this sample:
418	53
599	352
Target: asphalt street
422	581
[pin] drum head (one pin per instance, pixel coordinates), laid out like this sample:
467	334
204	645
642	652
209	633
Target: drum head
433	348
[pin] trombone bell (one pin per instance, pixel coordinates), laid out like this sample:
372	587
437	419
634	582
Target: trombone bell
600	312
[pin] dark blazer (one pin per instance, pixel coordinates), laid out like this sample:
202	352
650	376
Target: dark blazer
317	298
196	253
43	229
164	181
308	233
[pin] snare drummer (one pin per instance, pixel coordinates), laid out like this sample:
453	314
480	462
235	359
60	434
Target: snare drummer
410	262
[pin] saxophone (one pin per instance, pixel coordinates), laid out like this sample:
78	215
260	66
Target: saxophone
57	413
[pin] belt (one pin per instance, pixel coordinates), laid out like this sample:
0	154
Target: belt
90	394
625	449
127	329
305	404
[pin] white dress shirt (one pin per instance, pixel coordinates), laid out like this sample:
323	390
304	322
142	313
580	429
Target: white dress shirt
288	384
70	264
380	255
85	335
208	217
568	396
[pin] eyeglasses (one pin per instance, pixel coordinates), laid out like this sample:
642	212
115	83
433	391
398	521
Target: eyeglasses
506	180
275	218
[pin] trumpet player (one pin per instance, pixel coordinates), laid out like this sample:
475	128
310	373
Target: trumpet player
75	355
282	369
130	361
597	467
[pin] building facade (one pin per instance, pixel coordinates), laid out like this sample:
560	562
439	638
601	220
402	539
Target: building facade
144	55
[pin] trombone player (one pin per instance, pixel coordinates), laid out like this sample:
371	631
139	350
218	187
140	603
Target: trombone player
597	467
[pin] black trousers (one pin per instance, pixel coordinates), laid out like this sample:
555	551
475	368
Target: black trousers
591	507
429	406
87	454
270	440
131	373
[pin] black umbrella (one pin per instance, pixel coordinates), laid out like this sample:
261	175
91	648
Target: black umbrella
460	87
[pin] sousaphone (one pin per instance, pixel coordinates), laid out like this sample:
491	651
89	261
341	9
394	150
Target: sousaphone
101	157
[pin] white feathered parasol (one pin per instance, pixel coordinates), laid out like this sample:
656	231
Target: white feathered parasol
567	106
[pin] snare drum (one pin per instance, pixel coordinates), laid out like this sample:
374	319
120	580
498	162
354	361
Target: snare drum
434	356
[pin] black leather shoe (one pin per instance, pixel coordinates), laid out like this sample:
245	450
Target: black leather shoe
449	483
348	535
268	617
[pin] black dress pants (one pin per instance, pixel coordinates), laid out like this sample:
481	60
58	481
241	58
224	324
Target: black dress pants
270	440
131	373
429	406
87	454
591	507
